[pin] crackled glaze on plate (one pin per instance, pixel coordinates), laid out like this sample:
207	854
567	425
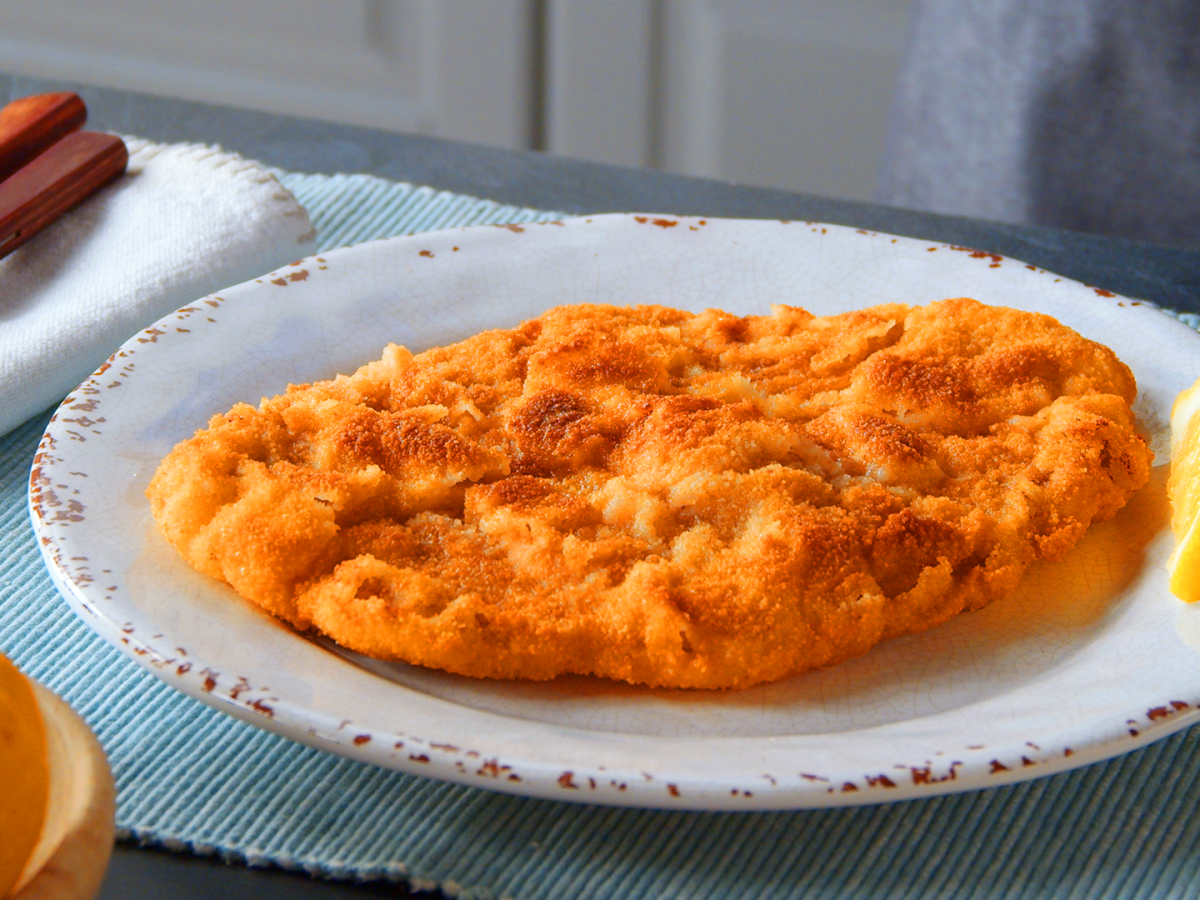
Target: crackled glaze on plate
1090	659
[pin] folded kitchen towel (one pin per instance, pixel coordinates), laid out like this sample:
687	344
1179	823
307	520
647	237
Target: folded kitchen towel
184	221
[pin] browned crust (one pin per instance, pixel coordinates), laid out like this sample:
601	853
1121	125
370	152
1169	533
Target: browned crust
666	498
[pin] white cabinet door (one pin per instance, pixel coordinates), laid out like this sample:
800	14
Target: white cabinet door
452	68
781	93
602	80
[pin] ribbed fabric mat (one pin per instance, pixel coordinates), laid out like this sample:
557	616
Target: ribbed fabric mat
189	777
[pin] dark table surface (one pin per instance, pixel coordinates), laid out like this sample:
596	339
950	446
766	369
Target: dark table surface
1165	275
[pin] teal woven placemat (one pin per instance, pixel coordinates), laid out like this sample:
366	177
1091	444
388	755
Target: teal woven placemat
191	778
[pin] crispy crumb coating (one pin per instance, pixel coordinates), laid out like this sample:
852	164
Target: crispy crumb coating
670	499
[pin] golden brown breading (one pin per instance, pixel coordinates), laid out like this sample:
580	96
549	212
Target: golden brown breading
660	497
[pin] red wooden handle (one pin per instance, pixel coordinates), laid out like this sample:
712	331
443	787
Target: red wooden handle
30	125
62	177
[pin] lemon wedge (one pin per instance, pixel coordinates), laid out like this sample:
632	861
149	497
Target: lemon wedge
24	775
56	796
1183	487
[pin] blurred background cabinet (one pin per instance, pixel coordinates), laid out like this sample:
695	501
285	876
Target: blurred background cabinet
781	93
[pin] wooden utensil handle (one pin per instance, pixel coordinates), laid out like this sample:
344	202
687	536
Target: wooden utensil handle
63	176
30	125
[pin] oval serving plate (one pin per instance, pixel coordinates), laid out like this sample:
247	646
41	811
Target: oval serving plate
1091	658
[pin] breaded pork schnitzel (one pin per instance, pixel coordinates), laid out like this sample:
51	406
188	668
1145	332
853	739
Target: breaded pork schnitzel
666	498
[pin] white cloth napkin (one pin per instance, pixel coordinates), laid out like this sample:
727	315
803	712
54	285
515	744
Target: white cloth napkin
184	221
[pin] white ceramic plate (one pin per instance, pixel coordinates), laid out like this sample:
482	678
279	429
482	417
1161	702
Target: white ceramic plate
1091	659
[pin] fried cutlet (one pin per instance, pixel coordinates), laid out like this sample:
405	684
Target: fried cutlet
670	499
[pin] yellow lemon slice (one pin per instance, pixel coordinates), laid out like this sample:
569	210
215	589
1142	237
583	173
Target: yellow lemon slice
72	853
1183	487
24	775
56	796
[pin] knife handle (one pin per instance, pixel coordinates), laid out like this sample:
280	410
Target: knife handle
30	125
60	178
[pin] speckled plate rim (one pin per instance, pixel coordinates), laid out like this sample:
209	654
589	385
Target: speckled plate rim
1134	679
